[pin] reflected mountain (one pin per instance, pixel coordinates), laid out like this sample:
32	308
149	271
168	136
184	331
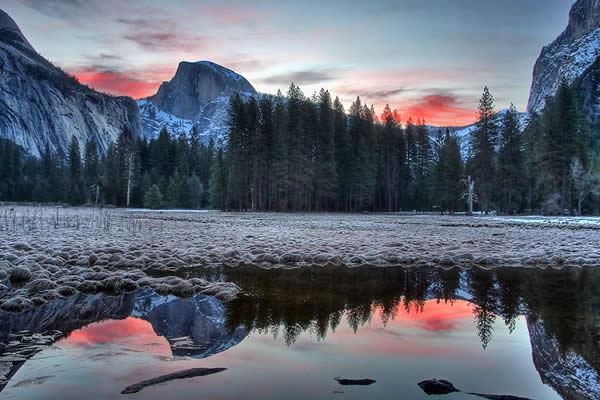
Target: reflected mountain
193	327
562	309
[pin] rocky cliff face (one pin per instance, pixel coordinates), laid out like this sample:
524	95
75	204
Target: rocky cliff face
568	372
588	89
197	95
39	103
574	51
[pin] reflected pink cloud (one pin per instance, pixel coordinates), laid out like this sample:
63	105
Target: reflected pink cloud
130	330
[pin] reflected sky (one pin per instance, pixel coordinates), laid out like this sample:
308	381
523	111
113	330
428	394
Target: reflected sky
499	331
438	340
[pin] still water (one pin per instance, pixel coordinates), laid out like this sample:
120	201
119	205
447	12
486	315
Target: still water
528	333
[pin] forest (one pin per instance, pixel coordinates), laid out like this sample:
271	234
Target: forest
299	153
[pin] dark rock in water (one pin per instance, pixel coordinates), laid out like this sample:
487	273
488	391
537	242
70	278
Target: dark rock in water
499	396
442	386
437	386
185	374
361	382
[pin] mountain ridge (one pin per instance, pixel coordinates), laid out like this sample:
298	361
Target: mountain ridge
569	55
197	95
40	104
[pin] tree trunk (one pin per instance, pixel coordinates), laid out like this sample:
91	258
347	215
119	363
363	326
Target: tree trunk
129	180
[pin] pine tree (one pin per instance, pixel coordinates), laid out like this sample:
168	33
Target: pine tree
342	154
280	177
218	182
388	163
238	154
91	170
266	134
295	147
562	140
510	162
153	198
448	172
326	176
483	142
423	161
532	157
75	196
195	151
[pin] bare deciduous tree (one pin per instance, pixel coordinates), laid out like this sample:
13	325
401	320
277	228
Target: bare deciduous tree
469	193
585	182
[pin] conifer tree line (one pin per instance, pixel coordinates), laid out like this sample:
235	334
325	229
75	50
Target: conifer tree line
296	153
299	153
165	172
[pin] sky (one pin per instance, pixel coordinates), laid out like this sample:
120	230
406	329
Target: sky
429	59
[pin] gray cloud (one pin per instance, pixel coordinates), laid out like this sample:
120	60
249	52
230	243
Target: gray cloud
65	9
307	77
160	34
382	94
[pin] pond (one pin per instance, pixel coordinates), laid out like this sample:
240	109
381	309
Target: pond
524	332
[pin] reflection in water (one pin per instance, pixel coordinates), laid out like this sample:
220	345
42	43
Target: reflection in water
317	299
562	308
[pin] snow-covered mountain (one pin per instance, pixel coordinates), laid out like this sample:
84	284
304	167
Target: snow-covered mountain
40	104
573	51
198	95
463	132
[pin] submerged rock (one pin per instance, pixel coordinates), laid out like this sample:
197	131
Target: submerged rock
442	386
437	386
361	382
185	374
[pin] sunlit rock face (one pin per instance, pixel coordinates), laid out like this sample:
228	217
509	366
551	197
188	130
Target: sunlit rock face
198	95
41	104
573	51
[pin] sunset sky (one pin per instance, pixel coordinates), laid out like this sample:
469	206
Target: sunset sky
427	58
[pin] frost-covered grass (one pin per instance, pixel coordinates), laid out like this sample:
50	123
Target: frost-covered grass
590	221
70	250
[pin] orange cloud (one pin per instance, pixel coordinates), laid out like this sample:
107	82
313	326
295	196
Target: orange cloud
441	110
116	83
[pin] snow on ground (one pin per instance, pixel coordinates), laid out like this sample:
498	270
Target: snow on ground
593	221
167	211
49	252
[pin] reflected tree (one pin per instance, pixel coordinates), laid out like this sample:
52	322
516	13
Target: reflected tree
485	301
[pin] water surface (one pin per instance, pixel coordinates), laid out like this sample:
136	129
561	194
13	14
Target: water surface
523	332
